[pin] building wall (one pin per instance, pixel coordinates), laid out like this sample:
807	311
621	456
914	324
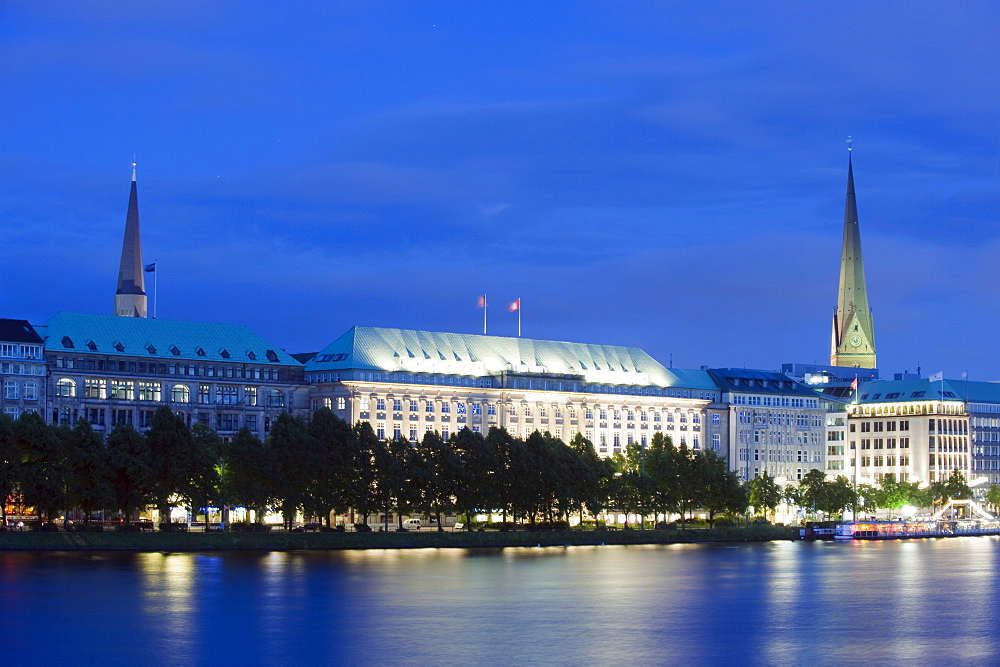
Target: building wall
106	390
22	378
918	441
611	422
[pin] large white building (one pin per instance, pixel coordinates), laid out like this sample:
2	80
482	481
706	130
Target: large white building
408	382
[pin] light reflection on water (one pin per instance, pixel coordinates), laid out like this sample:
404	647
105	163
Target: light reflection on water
776	603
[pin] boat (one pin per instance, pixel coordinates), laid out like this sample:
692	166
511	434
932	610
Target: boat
935	526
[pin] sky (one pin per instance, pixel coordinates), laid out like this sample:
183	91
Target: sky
666	175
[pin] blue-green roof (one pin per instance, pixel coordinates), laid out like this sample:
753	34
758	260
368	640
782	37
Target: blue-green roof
894	391
159	339
408	351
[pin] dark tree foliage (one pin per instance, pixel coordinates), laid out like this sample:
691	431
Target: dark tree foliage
333	487
293	464
129	469
10	464
42	469
247	480
88	484
202	488
173	460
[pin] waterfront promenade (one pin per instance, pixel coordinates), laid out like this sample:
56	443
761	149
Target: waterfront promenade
283	541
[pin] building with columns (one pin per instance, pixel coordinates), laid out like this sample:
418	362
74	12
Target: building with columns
408	382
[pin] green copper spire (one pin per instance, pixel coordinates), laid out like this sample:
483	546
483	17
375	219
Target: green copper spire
853	334
130	297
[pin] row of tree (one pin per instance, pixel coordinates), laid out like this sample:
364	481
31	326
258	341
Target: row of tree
326	466
815	493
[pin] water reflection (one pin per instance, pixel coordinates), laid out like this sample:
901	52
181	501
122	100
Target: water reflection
777	603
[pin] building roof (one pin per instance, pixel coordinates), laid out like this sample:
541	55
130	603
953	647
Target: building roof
896	391
408	351
751	381
18	331
172	340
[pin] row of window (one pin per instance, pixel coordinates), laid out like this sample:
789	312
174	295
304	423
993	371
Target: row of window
17	368
764	419
13	390
775	401
20	351
884	461
879	426
151	390
880	443
152	368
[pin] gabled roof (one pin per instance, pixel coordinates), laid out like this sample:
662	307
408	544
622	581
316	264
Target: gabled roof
408	351
159	339
18	331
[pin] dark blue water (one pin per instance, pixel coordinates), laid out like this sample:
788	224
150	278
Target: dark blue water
927	601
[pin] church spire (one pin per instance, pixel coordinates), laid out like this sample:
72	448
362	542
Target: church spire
853	334
130	297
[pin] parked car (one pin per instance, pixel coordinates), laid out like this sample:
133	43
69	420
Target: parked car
412	524
458	526
145	524
307	527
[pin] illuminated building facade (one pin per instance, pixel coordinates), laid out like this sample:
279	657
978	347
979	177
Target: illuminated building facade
777	425
923	430
22	368
406	383
109	369
915	429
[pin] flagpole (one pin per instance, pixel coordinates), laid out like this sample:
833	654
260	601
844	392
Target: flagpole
155	278
518	318
485	306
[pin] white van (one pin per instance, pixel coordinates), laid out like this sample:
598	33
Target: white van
412	524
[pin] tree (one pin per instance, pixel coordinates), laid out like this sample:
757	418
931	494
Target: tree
172	453
764	493
129	469
438	472
202	487
333	486
594	473
993	497
247	473
10	464
42	454
88	479
475	490
722	490
293	464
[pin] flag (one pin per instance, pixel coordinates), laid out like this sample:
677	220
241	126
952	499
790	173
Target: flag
151	267
516	305
854	385
482	302
937	377
965	375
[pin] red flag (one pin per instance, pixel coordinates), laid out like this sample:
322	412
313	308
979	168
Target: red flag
482	302
854	385
514	306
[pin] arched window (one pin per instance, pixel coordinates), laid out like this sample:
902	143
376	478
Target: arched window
180	393
66	388
275	398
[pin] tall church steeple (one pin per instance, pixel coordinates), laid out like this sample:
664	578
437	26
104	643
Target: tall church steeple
130	298
853	334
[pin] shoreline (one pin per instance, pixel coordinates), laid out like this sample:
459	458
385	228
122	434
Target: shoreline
332	541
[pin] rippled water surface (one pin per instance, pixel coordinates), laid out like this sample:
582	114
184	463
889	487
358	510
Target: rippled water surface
926	601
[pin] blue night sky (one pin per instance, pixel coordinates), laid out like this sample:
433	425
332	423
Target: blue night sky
669	175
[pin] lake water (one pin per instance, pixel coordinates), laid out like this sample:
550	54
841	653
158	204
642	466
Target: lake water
927	601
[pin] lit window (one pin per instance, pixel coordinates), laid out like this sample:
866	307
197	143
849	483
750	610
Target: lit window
180	394
65	388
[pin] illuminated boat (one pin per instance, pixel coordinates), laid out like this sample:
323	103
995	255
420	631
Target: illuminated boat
935	526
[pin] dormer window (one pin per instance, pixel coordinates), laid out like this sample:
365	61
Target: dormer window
272	355
224	354
119	347
151	349
251	356
67	342
200	352
174	351
91	345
